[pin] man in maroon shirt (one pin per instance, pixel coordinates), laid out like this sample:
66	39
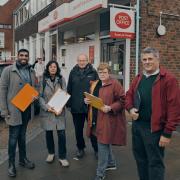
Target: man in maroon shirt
153	102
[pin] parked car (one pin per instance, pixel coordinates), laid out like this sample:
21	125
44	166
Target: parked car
4	64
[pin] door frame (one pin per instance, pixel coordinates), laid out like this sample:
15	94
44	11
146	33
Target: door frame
126	64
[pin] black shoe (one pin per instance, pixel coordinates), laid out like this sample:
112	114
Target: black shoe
27	164
99	177
11	170
80	153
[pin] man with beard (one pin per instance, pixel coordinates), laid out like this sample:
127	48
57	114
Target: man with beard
13	79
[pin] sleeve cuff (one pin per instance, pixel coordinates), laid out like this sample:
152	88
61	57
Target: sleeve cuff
167	135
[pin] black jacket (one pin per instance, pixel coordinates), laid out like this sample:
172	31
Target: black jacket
78	83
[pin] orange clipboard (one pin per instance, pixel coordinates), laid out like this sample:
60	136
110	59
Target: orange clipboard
24	97
95	101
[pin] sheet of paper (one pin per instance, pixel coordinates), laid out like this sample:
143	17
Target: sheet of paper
58	100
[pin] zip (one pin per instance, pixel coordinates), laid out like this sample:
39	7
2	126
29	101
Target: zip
156	80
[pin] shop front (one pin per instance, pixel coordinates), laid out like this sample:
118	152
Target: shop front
85	28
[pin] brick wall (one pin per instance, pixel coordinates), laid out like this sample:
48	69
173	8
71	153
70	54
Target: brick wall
6	17
169	44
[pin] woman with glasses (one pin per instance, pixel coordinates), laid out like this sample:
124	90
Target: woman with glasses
108	123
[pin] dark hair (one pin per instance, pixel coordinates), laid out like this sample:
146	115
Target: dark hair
46	72
23	50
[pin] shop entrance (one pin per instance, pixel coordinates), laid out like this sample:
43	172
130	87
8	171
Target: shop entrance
113	53
53	45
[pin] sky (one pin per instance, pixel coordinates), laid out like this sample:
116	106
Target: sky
3	2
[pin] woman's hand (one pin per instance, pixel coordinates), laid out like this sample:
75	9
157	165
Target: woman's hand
87	101
106	109
51	109
57	114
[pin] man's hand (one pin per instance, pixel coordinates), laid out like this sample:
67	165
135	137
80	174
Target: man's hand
106	109
35	98
5	115
164	141
134	113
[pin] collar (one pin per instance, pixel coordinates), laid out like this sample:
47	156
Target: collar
14	67
154	73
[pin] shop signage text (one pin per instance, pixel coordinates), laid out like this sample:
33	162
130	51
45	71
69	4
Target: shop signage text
122	23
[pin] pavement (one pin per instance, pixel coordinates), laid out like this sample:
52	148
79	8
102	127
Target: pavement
85	168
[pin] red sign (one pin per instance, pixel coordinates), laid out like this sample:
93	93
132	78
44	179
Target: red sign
122	23
123	20
91	54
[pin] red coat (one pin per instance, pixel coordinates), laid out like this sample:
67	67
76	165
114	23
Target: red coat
165	101
111	127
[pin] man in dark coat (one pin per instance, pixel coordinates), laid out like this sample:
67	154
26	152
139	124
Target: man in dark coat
153	101
79	82
13	79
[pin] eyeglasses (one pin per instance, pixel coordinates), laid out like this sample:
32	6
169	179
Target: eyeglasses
102	72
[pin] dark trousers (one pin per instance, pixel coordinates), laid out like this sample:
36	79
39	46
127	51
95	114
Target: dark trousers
148	155
61	143
17	134
94	143
79	120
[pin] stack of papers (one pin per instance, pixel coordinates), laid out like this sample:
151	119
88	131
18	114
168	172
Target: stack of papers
58	100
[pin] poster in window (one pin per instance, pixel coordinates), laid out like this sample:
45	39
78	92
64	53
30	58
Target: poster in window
91	54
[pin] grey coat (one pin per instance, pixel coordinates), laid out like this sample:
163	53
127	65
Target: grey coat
10	84
49	120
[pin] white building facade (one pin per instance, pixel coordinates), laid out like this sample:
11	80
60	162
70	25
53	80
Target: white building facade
80	26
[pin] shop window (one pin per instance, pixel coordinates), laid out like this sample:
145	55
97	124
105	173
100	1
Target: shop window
54	46
63	54
113	53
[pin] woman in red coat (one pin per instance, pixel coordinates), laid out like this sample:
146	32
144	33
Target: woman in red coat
108	123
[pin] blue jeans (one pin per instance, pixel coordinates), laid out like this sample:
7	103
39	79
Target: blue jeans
105	158
17	134
61	143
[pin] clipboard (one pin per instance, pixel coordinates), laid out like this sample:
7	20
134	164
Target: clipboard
58	100
24	97
95	101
